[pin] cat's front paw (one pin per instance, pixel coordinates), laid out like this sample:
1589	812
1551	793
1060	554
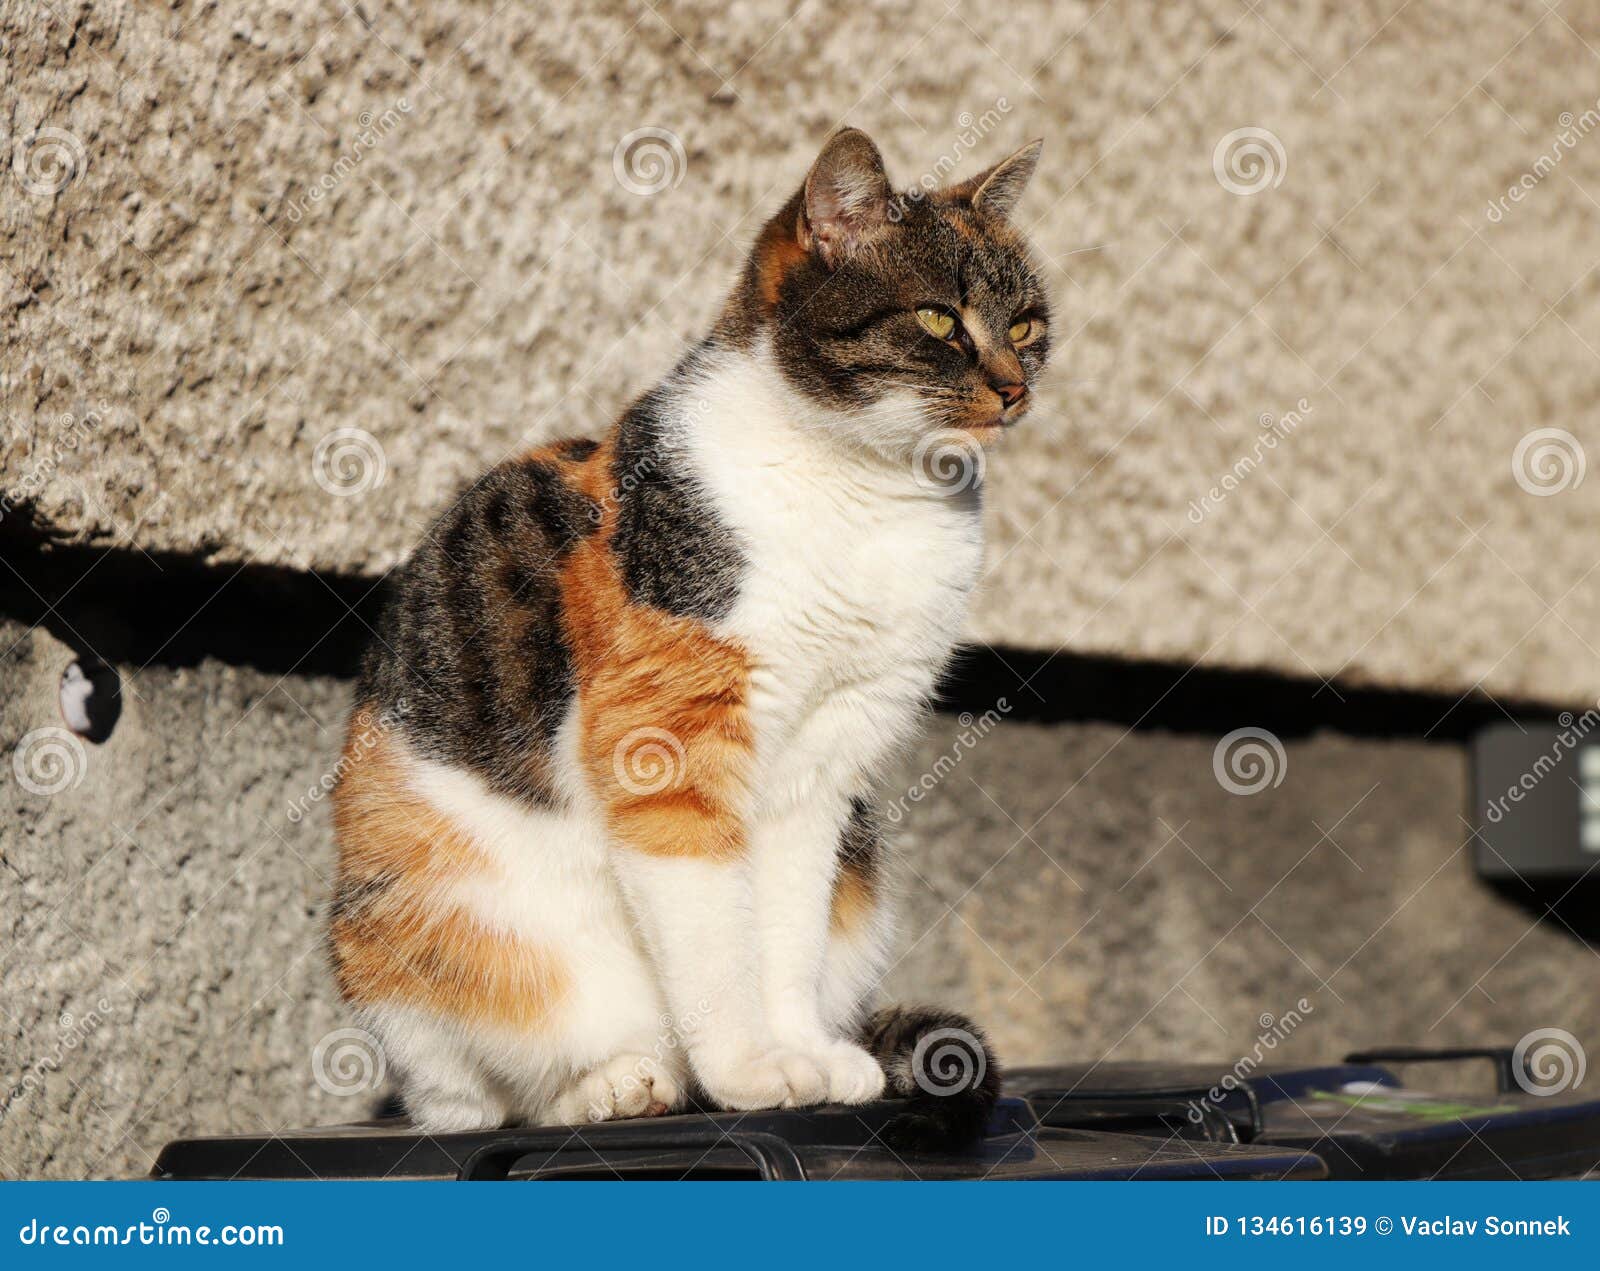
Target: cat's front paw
854	1076
764	1079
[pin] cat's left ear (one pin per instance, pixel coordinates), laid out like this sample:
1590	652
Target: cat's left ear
999	188
846	198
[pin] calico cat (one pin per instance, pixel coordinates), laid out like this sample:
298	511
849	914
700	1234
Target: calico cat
606	818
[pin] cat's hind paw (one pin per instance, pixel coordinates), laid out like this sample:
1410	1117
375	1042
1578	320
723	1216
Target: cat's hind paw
435	1111
623	1086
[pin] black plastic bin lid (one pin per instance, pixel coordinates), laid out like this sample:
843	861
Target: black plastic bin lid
811	1143
1358	1116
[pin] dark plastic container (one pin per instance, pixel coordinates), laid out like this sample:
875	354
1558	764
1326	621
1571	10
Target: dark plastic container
812	1143
1359	1116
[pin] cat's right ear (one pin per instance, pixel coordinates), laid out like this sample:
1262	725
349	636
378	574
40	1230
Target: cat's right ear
847	196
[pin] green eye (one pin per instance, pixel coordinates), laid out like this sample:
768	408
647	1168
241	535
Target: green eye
1022	332
936	322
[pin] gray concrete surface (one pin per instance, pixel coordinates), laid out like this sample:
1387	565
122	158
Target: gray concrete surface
228	232
162	963
1098	893
1086	893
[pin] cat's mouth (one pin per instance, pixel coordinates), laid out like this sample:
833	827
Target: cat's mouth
984	415
994	422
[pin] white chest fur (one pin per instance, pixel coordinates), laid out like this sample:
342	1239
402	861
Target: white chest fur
856	583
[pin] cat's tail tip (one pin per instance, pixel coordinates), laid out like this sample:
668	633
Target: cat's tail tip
942	1064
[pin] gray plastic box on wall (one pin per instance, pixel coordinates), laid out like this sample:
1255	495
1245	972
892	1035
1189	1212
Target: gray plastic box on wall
1536	798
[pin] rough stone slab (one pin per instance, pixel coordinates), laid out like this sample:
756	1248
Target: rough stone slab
161	958
184	325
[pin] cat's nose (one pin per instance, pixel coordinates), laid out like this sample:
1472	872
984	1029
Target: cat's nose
1010	394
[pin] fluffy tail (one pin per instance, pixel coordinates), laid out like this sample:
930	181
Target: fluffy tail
942	1064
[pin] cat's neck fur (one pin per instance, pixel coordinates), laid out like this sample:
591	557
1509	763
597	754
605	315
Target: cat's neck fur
731	403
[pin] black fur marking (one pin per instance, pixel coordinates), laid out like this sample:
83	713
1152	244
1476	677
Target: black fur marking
675	553
950	1088
861	843
470	657
351	897
576	449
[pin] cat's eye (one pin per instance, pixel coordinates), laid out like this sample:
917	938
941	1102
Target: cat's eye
1024	331
937	323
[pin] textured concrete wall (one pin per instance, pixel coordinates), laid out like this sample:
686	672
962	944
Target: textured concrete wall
162	962
1087	893
228	232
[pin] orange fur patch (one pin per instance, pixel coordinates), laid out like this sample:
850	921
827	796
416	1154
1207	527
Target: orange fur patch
664	732
551	453
777	252
396	936
855	896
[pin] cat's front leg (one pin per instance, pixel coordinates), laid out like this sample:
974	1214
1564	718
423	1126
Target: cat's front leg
668	745
695	913
675	794
795	861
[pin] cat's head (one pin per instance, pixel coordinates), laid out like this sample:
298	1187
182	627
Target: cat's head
901	315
